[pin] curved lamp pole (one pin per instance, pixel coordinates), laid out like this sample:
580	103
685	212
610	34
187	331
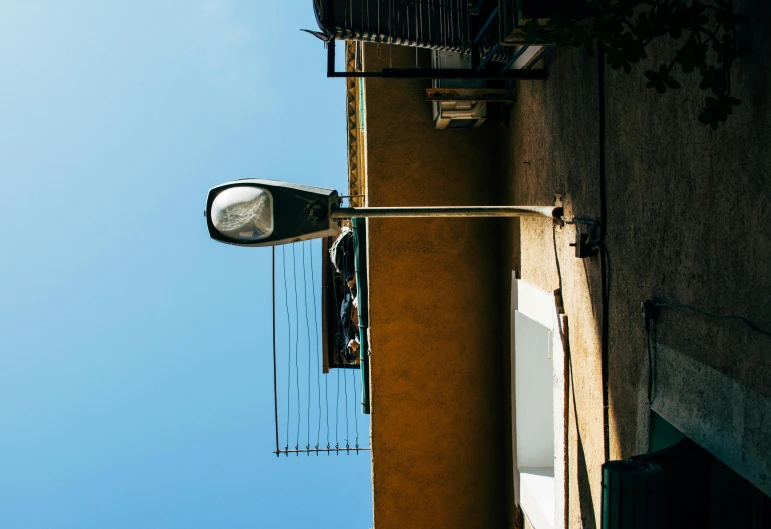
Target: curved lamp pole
552	212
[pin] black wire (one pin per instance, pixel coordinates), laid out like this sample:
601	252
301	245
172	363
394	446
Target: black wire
345	402
335	355
289	346
316	331
565	340
605	255
390	23
355	411
749	323
345	379
296	343
273	306
651	332
326	375
308	335
556	255
337	411
603	264
326	401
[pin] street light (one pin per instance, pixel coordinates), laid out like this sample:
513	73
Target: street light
255	212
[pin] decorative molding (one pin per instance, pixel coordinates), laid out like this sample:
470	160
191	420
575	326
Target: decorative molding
354	133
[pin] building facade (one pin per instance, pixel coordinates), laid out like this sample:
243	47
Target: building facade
646	334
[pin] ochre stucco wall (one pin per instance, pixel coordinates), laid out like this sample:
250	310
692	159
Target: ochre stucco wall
437	403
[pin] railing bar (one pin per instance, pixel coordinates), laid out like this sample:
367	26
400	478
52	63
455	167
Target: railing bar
445	73
289	345
516	56
354	449
318	353
296	341
486	25
308	337
487	57
275	383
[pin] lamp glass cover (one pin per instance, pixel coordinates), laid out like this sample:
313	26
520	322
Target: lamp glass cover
243	213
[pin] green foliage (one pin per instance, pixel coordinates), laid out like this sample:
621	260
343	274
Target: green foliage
703	33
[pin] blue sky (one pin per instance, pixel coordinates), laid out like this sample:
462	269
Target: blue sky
135	352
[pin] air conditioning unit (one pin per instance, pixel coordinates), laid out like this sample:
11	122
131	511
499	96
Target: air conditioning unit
456	114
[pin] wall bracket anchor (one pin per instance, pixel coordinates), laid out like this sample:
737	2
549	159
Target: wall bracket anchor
584	245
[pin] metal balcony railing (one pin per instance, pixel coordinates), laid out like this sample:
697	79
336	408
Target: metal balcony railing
317	384
461	26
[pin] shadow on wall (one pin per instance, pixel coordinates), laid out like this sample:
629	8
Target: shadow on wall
582	476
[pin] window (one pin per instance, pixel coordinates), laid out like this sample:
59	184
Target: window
538	404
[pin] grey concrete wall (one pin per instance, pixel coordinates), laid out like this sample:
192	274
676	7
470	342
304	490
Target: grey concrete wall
687	210
716	411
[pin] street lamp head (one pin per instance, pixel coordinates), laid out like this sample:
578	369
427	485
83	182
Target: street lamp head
255	212
243	213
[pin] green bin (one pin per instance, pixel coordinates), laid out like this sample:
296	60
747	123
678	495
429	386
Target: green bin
632	495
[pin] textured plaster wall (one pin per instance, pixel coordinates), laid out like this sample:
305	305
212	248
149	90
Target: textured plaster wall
437	435
687	222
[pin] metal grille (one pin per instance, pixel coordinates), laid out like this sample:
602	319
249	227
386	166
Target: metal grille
453	25
316	411
433	24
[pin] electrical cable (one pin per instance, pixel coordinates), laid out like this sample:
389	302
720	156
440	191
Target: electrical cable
318	355
355	412
605	338
273	305
556	255
326	375
289	346
706	314
345	379
605	255
345	402
569	382
650	331
296	344
649	312
336	354
308	335
337	412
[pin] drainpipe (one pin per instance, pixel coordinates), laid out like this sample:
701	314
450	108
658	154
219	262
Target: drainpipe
359	226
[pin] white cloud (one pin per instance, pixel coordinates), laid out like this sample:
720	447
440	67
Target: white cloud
225	44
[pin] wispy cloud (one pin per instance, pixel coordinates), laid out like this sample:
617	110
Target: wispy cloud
225	44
